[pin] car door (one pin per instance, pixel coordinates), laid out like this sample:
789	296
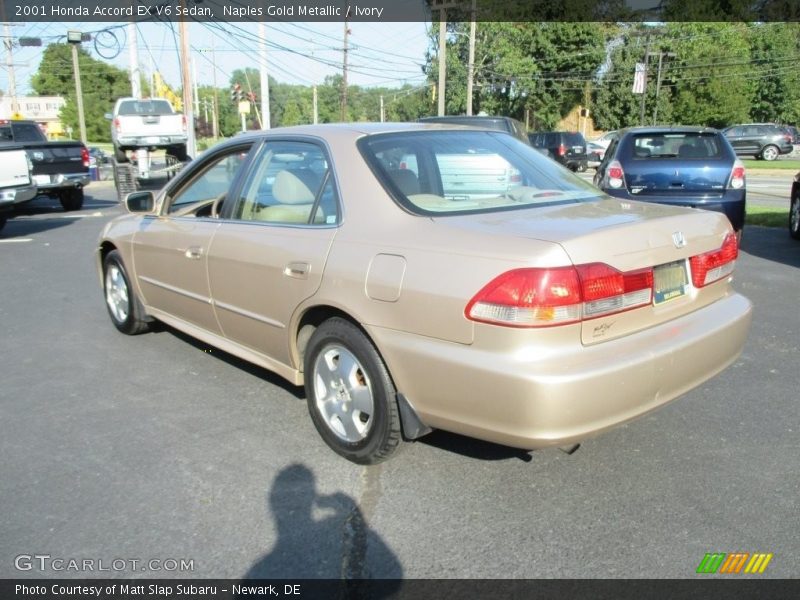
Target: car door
170	250
270	250
735	136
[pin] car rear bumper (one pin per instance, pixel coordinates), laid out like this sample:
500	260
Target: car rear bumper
514	398
731	203
61	181
150	141
11	196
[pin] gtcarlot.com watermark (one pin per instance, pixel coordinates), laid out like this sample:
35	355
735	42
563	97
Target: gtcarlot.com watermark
46	562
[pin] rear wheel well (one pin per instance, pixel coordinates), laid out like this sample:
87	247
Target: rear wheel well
313	318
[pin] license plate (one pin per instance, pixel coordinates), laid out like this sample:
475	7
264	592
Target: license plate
669	281
42	178
152	140
577	149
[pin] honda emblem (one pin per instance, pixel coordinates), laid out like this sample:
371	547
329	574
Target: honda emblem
678	239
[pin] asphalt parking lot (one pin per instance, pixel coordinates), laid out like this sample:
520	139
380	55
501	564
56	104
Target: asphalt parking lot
159	448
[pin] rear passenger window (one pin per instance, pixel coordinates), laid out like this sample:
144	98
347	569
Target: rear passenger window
290	183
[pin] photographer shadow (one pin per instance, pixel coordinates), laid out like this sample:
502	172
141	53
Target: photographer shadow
324	538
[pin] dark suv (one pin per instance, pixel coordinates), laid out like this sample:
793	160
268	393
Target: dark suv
506	124
566	147
766	141
682	166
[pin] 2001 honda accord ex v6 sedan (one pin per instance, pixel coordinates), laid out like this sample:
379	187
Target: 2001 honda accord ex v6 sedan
420	276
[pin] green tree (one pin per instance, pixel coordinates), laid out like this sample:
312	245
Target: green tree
774	54
712	83
101	84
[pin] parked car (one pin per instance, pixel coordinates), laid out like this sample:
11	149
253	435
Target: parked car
794	132
506	124
565	147
16	183
533	318
606	139
683	166
147	123
594	154
765	141
59	169
99	156
794	209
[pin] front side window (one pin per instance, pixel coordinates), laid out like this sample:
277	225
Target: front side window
290	183
213	181
454	172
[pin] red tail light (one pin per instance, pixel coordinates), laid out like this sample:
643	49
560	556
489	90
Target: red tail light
562	150
737	175
558	296
715	265
85	156
116	124
615	176
184	122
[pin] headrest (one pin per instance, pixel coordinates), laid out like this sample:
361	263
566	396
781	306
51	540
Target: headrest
295	186
406	180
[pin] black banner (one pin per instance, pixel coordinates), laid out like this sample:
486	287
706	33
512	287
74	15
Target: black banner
732	588
398	10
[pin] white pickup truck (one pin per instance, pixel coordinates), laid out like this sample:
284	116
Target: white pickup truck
16	184
150	124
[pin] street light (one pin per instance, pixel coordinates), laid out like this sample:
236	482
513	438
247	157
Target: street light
75	38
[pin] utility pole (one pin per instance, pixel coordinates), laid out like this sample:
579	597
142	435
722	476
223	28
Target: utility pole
186	76
215	106
133	54
383	114
314	104
661	56
343	116
471	64
442	59
74	38
262	52
12	82
644	92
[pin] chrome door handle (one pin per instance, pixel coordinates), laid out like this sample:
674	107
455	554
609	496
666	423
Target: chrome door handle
298	270
194	252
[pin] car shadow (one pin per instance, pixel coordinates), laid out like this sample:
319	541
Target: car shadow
232	360
473	448
22	228
771	243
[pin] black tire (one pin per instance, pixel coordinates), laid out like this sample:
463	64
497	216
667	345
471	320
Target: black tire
359	419
794	217
119	155
581	166
71	199
3	220
179	152
123	304
770	152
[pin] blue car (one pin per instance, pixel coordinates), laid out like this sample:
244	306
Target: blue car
684	166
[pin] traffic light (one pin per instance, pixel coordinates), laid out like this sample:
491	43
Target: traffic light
236	93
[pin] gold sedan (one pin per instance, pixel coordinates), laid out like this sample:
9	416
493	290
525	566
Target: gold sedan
417	276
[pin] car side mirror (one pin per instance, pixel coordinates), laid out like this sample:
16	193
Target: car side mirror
140	202
109	116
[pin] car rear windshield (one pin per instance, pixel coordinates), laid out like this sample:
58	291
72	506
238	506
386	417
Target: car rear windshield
574	139
680	145
453	172
145	107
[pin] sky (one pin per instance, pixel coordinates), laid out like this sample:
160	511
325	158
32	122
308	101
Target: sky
381	54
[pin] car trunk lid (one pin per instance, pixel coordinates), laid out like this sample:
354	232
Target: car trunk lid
627	236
